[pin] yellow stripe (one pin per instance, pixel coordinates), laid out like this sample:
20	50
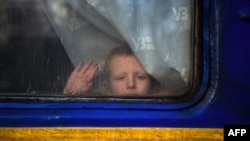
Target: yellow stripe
110	134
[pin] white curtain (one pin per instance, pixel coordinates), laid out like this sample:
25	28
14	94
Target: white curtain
158	31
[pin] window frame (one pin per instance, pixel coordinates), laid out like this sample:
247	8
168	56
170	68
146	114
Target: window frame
152	105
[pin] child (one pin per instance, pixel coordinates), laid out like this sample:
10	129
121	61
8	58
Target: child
124	75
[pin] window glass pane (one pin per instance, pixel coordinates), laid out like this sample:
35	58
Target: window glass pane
32	58
86	47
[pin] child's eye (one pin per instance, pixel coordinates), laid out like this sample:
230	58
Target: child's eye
142	77
119	78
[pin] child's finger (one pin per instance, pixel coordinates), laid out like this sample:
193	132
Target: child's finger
90	69
86	66
91	72
78	67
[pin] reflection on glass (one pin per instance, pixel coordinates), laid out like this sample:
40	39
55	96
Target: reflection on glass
115	47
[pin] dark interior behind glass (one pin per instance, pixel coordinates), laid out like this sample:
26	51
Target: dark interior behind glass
33	58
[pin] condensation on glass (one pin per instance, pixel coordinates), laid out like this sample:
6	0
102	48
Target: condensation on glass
42	41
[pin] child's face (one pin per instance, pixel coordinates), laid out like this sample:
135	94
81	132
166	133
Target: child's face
127	76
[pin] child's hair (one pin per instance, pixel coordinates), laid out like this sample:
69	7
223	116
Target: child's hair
125	50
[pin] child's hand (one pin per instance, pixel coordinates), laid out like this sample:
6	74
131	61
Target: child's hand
80	80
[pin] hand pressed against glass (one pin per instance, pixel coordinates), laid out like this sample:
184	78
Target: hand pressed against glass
127	76
80	80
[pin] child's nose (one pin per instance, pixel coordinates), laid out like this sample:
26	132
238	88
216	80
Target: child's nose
131	84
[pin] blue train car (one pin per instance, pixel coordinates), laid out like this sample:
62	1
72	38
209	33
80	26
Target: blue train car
218	93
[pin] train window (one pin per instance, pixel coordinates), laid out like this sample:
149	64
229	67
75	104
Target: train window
95	48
